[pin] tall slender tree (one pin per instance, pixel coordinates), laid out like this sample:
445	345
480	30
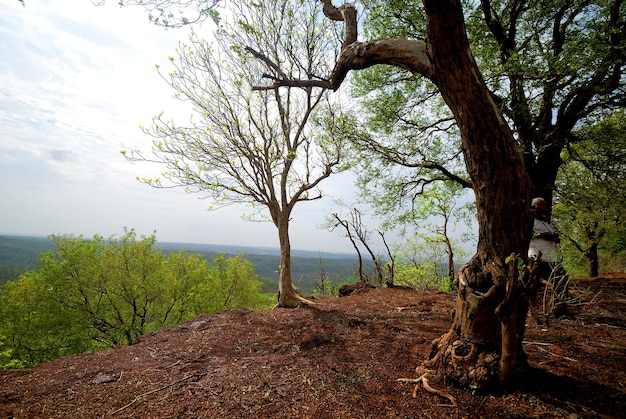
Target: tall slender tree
255	148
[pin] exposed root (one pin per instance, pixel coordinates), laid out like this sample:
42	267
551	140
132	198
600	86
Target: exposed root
424	380
297	301
305	301
430	363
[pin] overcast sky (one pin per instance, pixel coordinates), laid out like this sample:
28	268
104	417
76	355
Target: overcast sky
76	82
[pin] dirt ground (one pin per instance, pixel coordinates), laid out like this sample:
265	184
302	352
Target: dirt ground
337	359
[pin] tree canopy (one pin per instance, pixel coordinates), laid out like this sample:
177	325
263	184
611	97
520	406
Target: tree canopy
550	67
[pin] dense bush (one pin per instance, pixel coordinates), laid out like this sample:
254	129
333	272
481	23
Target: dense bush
94	294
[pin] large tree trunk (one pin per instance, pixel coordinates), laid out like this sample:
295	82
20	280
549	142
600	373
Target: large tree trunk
485	339
484	344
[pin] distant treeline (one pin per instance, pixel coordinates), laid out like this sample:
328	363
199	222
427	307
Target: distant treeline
20	254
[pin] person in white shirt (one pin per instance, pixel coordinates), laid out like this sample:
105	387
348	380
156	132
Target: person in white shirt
545	237
550	289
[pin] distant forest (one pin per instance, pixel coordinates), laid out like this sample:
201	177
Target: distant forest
19	254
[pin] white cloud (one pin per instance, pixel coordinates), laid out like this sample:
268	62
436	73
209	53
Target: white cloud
76	82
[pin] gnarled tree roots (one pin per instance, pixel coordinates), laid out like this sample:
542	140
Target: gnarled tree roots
462	362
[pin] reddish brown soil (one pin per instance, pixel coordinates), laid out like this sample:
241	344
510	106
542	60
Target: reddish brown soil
338	359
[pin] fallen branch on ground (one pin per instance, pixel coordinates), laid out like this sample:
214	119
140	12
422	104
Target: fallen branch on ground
561	356
424	380
141	396
536	343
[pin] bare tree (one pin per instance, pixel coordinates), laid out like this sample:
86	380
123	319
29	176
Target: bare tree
359	236
337	222
259	148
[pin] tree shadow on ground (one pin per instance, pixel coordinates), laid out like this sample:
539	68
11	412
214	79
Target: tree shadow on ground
585	398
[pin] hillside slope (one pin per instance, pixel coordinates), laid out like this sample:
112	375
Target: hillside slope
337	359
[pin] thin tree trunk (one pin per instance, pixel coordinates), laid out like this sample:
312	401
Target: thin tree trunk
287	296
450	260
591	255
449	250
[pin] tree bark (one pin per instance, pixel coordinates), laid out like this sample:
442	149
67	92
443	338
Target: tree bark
591	255
287	296
481	346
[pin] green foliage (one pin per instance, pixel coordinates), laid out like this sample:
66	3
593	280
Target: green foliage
589	205
419	276
94	294
430	252
176	13
422	265
232	284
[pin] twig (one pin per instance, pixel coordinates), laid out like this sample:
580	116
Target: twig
480	406
424	380
411	307
536	343
564	357
141	396
174	364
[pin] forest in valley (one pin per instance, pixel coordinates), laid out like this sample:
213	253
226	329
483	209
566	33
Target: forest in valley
19	254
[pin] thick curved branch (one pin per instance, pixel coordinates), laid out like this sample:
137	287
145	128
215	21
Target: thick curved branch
345	13
410	55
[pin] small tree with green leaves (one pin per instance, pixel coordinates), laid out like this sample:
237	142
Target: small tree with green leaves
589	206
